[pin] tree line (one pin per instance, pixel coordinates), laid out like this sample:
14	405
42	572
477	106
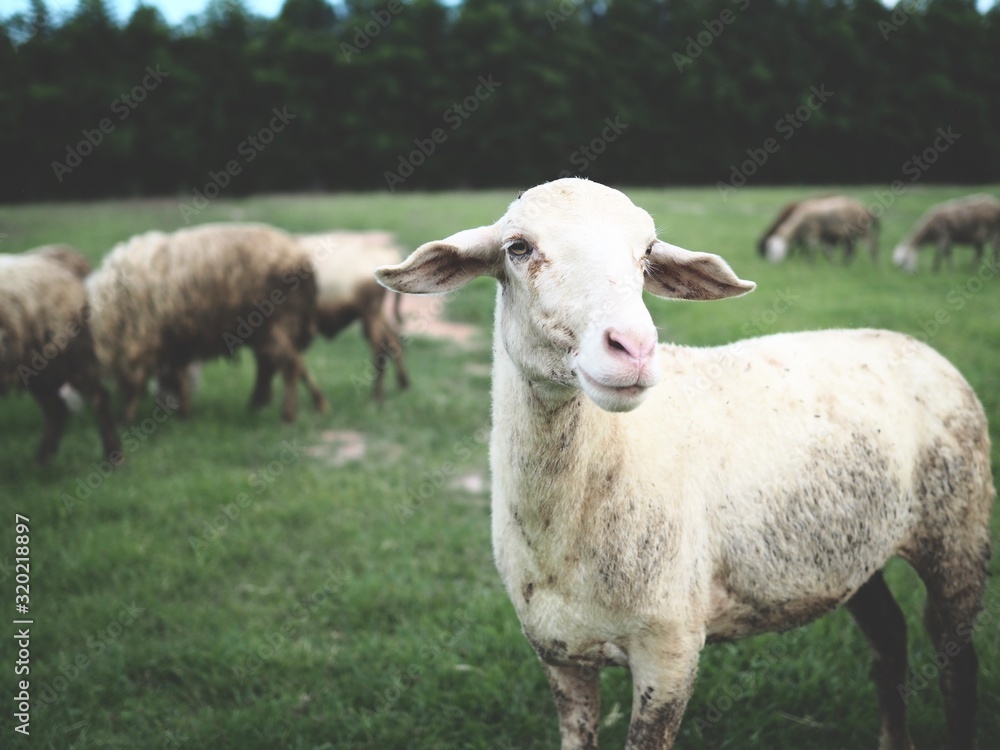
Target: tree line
423	94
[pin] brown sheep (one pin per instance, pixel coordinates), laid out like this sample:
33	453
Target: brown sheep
345	264
826	221
161	301
973	220
45	341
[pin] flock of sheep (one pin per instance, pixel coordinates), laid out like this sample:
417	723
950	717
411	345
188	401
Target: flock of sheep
829	221
160	302
753	500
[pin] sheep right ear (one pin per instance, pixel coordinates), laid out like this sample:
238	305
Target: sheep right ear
447	264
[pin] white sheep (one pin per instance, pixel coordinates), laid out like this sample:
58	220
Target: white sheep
650	498
345	263
972	220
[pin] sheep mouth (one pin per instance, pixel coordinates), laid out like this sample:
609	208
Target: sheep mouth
631	391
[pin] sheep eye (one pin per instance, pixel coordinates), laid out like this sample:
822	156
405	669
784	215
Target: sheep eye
518	248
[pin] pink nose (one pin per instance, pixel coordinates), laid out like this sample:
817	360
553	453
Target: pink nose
636	346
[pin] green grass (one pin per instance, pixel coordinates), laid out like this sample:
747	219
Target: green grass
232	587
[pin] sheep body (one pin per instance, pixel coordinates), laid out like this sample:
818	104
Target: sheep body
827	222
67	256
972	220
161	301
757	487
45	340
345	263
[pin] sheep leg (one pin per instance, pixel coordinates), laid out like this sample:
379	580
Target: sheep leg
880	619
577	694
55	412
175	387
88	383
130	390
385	346
848	251
978	259
953	601
662	684
943	254
261	395
318	399
371	327
394	345
291	370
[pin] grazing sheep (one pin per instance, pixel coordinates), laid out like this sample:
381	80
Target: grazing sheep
161	301
973	220
45	341
826	221
345	263
757	487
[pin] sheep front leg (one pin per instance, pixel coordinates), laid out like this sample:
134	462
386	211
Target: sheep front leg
577	693
56	413
662	683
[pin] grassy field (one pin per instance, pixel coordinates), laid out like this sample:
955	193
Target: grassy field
243	583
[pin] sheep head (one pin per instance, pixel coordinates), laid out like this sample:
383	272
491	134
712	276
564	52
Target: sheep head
572	258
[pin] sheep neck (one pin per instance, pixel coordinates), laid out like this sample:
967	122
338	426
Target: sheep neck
558	450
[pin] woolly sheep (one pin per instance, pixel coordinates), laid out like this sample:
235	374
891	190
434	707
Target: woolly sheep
345	263
650	498
826	221
161	301
67	256
45	341
973	220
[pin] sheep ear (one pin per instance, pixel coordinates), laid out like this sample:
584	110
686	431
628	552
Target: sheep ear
675	273
447	264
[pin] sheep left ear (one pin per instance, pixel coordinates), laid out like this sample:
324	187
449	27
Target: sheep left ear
675	273
447	264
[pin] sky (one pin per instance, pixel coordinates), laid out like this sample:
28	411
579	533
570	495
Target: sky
174	11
